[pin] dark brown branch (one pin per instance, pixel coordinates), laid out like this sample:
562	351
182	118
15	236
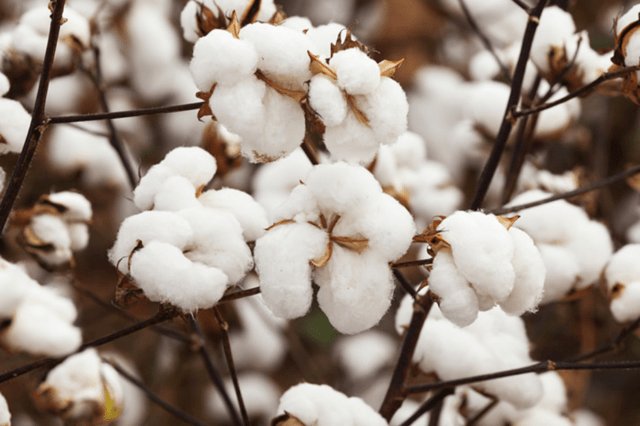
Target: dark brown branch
162	315
410	263
613	345
522	5
396	391
213	373
473	420
584	189
483	38
581	91
124	114
241	294
226	346
185	417
428	405
38	119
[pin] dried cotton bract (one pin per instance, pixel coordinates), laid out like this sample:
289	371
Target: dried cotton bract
482	261
321	405
82	390
622	276
339	229
192	245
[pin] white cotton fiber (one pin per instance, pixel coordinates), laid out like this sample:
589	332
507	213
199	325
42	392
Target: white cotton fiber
282	258
194	163
78	235
251	215
387	109
357	73
14	125
175	193
482	250
51	229
351	141
624	266
327	100
78	207
5	415
15	285
365	354
556	26
165	275
218	57
457	300
147	227
593	249
240	107
5	85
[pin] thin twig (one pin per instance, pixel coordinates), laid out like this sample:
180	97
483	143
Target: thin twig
241	294
38	119
213	373
581	91
162	315
124	114
114	137
507	122
473	420
428	405
410	263
396	391
185	417
483	38
522	5
226	346
611	346
584	189
436	411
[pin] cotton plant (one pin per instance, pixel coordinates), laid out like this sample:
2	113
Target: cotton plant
192	244
575	249
494	342
308	404
35	319
198	18
480	261
339	230
622	277
14	120
82	389
425	187
55	227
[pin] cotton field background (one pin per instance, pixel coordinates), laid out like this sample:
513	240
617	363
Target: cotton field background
319	213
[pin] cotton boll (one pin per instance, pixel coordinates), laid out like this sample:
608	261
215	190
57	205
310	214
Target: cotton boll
51	229
327	100
387	109
486	105
355	290
78	207
593	248
623	266
282	258
251	215
218	57
15	286
457	300
628	18
79	235
482	250
149	226
14	125
259	393
5	415
530	275
192	162
165	275
562	269
351	141
175	193
624	305
365	354
556	26
357	73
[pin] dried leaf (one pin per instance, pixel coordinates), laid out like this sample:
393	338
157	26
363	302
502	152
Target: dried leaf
389	68
234	27
227	153
207	21
251	13
507	222
402	196
278	17
127	293
319	262
316	66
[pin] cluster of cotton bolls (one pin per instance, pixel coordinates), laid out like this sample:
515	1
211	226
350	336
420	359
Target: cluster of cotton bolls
339	229
481	261
257	89
35	319
14	120
575	249
56	227
192	245
322	405
494	342
84	389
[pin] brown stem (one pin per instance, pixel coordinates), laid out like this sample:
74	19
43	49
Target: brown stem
428	405
241	294
38	119
124	114
500	143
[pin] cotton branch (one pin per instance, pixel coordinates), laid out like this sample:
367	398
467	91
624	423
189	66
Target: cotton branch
155	398
124	114
429	405
38	118
507	122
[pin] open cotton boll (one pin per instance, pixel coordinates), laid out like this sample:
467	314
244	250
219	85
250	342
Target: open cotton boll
218	57
486	104
77	206
351	141
327	100
259	393
554	120
52	229
191	162
457	300
5	85
165	275
624	306
562	270
287	291
14	125
482	251
42	325
175	193
357	73
149	226
556	27
355	289
239	107
217	242
251	215
365	354
15	285
5	415
387	109
593	249
321	405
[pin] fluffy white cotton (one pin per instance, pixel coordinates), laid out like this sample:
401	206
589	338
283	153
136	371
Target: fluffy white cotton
327	100
357	73
251	215
14	125
366	354
622	276
5	85
76	205
5	415
15	285
321	405
163	272
556	27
